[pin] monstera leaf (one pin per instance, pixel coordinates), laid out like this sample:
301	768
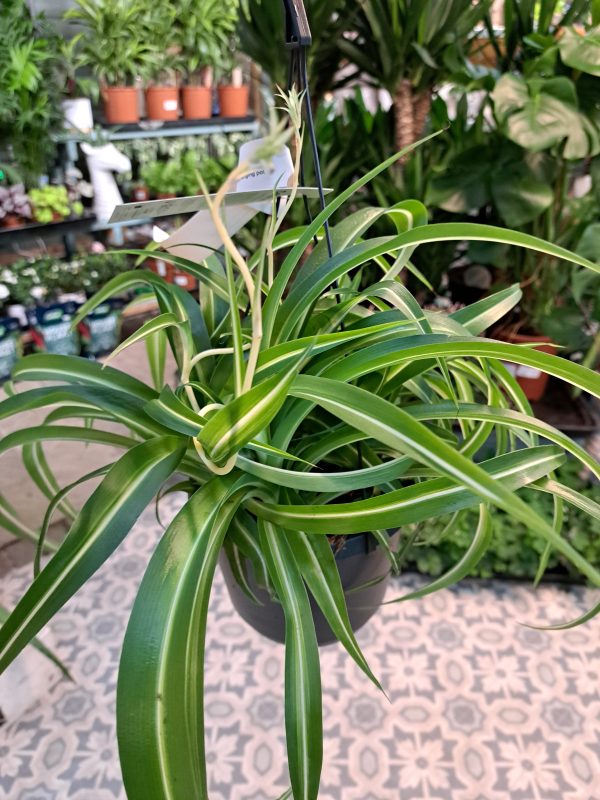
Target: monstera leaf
541	113
518	194
589	244
463	185
581	50
498	173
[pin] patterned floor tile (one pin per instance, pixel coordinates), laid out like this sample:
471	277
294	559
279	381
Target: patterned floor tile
480	707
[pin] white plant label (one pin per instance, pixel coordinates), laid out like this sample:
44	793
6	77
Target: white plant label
198	238
277	173
522	370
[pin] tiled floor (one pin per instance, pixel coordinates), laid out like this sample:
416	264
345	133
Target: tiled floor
65	458
482	708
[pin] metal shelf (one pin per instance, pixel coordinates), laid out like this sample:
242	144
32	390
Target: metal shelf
66	229
38	230
153	130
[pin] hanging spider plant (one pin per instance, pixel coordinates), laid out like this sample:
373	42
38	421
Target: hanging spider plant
286	347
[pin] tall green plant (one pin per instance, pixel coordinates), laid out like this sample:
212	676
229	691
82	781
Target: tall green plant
30	90
404	46
302	411
202	34
115	41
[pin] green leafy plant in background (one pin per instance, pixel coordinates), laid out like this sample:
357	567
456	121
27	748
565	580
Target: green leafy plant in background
161	177
181	175
115	39
22	283
202	35
94	270
315	399
536	133
52	202
30	90
28	281
514	552
529	26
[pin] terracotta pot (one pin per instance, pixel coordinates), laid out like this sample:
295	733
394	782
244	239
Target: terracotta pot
184	280
140	194
11	221
233	101
165	195
162	102
120	104
161	268
196	102
532	381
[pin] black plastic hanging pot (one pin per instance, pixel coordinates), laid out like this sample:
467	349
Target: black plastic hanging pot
364	571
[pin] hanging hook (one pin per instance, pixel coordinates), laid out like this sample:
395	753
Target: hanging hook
298	39
297	29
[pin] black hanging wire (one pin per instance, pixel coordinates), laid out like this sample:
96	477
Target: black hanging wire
298	40
310	125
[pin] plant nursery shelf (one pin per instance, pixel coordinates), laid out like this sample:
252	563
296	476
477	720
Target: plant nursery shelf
34	231
152	130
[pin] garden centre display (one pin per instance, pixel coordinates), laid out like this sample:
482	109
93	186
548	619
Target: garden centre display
318	406
348	374
39	300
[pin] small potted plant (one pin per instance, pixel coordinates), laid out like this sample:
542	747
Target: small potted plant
162	91
15	207
25	288
173	177
307	423
202	35
114	45
79	91
156	179
232	92
52	204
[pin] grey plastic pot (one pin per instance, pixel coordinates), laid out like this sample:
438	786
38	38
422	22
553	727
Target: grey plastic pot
364	571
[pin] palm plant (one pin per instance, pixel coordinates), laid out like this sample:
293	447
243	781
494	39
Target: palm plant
314	400
408	47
